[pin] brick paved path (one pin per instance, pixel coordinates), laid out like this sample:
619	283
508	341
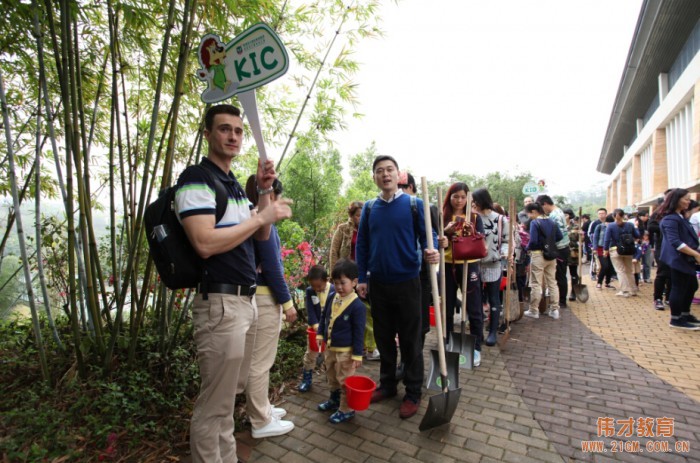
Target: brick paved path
533	401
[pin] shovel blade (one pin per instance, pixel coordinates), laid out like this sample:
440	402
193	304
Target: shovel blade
581	292
434	379
441	409
463	344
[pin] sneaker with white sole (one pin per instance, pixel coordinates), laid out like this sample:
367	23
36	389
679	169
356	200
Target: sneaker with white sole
622	294
279	413
554	313
532	313
477	358
275	427
373	356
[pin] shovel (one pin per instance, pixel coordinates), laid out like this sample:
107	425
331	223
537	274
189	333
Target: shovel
580	289
441	407
463	343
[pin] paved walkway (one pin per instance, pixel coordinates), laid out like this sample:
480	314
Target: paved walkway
609	365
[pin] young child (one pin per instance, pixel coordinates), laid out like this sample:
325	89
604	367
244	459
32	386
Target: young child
316	296
637	263
646	258
342	326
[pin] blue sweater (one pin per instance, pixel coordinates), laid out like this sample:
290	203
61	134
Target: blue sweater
271	271
614	232
386	242
314	308
537	239
348	331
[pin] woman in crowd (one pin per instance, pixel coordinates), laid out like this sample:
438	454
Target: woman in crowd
345	236
343	247
662	280
455	213
605	271
616	247
574	251
273	299
680	252
496	235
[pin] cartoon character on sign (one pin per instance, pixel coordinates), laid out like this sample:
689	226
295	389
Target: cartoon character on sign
541	187
212	56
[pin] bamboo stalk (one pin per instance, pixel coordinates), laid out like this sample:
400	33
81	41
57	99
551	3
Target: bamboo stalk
20	236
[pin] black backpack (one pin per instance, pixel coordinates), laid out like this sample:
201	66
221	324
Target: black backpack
178	265
549	250
626	245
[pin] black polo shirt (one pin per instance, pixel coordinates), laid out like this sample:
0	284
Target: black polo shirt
196	195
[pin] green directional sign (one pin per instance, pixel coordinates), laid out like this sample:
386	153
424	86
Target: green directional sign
254	58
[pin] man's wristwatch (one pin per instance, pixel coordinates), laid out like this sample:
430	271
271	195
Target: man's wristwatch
265	191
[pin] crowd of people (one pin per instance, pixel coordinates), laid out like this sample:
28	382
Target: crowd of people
375	305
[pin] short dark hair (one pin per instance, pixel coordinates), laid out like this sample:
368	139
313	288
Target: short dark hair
317	272
570	212
534	207
642	212
609	218
586	216
219	109
384	157
354	206
482	198
251	189
345	268
602	209
545	199
618	212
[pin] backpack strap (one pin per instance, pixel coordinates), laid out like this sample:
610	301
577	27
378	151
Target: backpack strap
219	189
221	204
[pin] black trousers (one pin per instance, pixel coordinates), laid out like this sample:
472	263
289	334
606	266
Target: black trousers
662	281
605	270
396	309
573	271
426	299
562	282
475	312
683	289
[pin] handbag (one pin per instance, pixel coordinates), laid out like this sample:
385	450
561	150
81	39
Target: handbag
472	246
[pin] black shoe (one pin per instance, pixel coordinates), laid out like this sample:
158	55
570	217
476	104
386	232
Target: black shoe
684	325
572	296
690	318
562	305
659	305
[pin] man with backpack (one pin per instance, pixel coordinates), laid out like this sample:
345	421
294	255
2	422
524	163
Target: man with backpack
557	215
389	238
224	308
544	235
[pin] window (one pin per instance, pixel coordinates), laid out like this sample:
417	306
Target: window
679	146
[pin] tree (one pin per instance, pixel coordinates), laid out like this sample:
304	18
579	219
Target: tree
362	186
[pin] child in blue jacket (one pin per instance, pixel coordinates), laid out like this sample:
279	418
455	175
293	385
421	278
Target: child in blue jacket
342	326
316	297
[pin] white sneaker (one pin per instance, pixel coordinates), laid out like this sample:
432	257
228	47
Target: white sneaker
532	313
279	413
275	427
554	313
374	356
458	318
622	294
477	358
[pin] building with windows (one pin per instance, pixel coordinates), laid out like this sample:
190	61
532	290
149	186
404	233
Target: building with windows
653	138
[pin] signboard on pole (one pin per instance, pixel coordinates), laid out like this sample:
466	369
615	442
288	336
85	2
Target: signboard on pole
254	58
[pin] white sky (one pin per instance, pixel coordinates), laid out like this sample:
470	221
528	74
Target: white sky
480	86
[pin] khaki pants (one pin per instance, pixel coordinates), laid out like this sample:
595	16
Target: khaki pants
339	366
543	275
264	351
221	325
625	271
309	357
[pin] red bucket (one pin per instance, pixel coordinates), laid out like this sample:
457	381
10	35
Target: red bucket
313	345
359	390
504	283
432	316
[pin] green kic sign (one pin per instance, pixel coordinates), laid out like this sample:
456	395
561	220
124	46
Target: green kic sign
254	58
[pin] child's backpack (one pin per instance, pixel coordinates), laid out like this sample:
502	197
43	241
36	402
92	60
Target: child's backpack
549	250
178	264
626	245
